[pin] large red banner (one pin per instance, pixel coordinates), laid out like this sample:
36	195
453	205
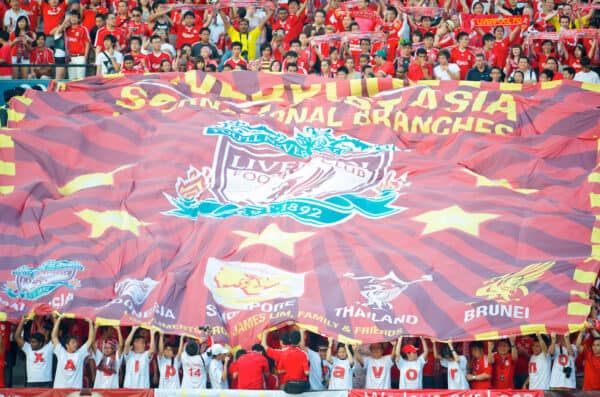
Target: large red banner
445	393
247	200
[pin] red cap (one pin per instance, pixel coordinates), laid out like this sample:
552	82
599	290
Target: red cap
409	349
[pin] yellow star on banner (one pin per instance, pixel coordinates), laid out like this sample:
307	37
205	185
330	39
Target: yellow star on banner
453	218
484	181
87	181
103	220
273	236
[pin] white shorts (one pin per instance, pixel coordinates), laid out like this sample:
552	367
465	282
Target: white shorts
23	61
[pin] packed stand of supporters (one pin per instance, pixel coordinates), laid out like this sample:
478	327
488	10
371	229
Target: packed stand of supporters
534	41
71	353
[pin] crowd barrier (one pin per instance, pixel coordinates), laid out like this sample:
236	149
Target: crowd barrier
272	393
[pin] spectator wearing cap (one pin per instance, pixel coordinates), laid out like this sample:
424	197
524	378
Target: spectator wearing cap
411	364
420	69
481	71
446	70
217	369
383	68
587	75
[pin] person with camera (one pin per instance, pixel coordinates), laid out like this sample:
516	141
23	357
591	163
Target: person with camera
539	364
562	376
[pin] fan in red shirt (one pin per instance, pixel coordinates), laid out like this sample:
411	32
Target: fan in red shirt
591	361
77	40
480	375
110	28
41	55
187	33
137	27
502	45
251	370
156	56
89	13
420	69
462	56
33	12
294	361
139	59
5	329
52	14
503	362
383	67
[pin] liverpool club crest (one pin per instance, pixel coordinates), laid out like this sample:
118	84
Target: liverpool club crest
314	177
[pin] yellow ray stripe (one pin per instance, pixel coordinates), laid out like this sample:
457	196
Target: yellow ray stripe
487	335
584	277
578	309
6	141
533	329
7	168
6	189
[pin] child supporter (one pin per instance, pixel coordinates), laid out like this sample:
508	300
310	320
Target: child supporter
169	363
108	361
137	360
342	366
70	357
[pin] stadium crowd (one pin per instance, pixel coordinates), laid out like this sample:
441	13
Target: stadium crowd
537	40
73	353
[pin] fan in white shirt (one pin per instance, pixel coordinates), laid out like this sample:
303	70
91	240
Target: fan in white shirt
342	367
377	366
108	362
563	367
169	362
457	366
217	369
38	357
195	366
137	361
411	367
539	365
71	358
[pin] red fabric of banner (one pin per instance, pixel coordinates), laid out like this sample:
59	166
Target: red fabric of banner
361	209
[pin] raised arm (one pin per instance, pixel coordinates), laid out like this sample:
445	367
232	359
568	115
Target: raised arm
552	346
225	18
513	348
425	348
436	354
396	350
120	339
542	343
94	347
358	356
578	342
18	333
491	352
500	8
152	348
129	339
161	343
264	21
180	350
454	353
54	335
329	346
570	350
513	33
350	355
91	333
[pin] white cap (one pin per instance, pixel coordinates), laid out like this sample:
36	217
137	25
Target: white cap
217	349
